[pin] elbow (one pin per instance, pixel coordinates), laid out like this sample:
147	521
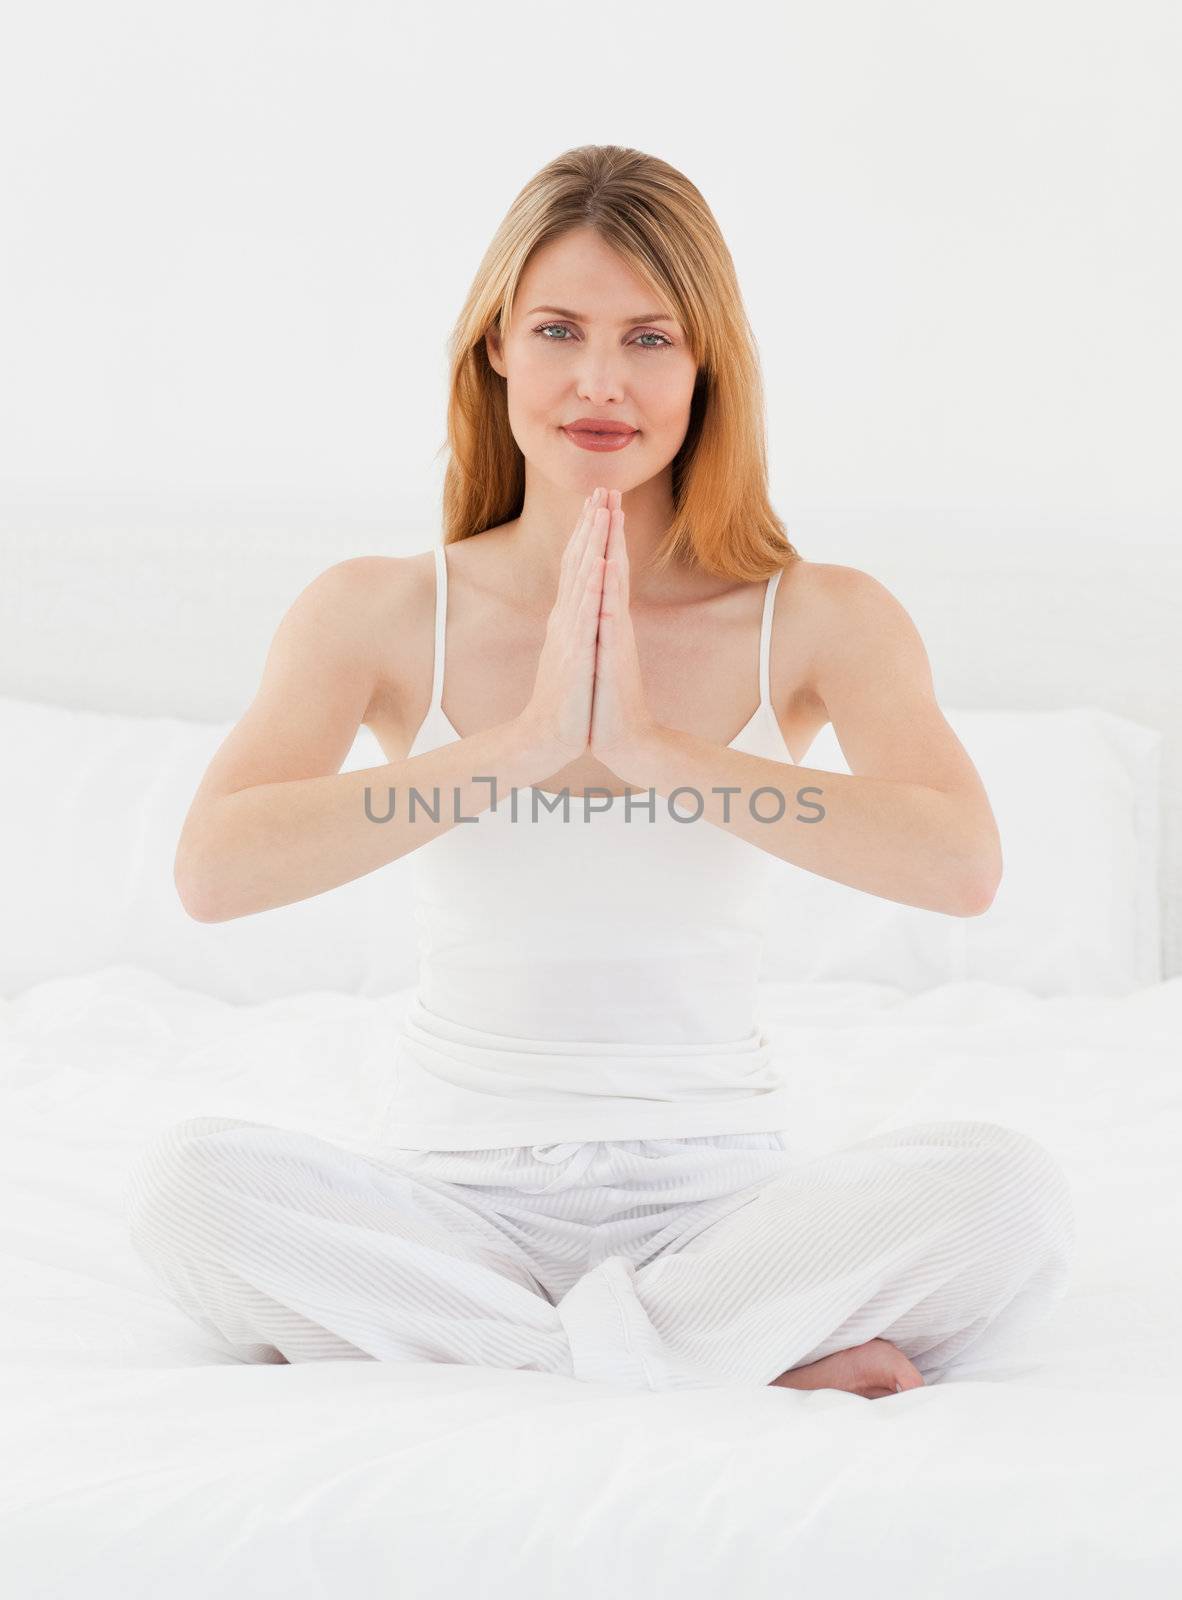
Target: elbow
197	907
194	892
197	871
978	892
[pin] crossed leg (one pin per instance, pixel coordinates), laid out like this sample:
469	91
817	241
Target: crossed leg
930	1241
880	1263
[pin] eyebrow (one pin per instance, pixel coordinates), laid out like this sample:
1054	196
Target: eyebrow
647	316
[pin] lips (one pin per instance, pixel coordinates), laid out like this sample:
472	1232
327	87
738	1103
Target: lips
591	425
587	439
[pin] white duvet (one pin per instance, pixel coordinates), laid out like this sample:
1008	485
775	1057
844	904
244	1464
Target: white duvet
140	1460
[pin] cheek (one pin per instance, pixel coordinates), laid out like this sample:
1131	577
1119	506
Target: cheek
668	414
537	385
669	395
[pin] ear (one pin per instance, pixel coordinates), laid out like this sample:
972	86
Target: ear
492	348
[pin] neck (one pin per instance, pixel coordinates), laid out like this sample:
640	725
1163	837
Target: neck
547	520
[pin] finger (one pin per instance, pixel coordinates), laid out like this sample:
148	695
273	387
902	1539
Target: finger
596	541
619	552
613	538
610	602
577	543
572	544
618	555
588	615
572	556
566	566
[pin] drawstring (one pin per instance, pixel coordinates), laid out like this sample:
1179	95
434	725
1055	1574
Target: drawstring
551	1153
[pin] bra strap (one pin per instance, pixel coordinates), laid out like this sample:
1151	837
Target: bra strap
765	637
440	626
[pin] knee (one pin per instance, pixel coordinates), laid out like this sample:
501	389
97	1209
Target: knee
1022	1178
170	1169
1013	1150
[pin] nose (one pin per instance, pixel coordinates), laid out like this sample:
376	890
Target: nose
600	378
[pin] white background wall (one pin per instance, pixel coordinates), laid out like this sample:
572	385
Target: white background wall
234	236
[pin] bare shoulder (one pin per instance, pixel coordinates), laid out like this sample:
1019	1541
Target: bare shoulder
846	606
352	590
316	685
863	637
835	587
376	577
396	606
378	595
353	613
806	607
348	603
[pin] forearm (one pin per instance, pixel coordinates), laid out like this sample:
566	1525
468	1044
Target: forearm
275	843
901	841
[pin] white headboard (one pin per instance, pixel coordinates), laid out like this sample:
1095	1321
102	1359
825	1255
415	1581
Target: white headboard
157	610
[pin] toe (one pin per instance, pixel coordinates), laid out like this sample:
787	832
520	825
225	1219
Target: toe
906	1376
900	1372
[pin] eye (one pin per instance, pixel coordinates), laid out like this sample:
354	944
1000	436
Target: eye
649	333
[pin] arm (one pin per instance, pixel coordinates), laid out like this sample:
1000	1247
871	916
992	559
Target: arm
910	822
274	820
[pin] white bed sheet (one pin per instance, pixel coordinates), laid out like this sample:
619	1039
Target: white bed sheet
141	1460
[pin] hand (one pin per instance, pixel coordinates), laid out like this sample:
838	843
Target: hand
620	718
558	715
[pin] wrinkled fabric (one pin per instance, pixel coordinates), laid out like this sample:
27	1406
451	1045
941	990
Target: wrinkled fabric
651	1263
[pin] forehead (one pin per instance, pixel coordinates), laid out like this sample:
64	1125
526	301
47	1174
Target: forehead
581	276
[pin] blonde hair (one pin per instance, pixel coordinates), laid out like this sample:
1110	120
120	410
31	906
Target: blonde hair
659	224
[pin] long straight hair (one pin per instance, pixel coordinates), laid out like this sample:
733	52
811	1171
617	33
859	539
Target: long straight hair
659	224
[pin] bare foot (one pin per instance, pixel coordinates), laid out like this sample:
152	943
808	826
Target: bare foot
872	1370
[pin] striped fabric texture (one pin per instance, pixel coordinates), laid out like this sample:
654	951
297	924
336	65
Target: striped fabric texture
654	1264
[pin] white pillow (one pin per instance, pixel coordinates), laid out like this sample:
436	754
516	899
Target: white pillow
90	815
93	805
1077	800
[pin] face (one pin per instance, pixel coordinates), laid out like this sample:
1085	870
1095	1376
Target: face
604	361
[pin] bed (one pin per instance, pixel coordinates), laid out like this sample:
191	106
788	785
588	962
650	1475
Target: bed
141	1459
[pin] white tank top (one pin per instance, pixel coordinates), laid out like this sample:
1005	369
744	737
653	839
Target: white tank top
587	974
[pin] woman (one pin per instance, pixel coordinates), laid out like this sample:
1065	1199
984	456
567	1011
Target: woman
582	1168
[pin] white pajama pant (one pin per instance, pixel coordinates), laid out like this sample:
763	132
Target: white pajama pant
650	1263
